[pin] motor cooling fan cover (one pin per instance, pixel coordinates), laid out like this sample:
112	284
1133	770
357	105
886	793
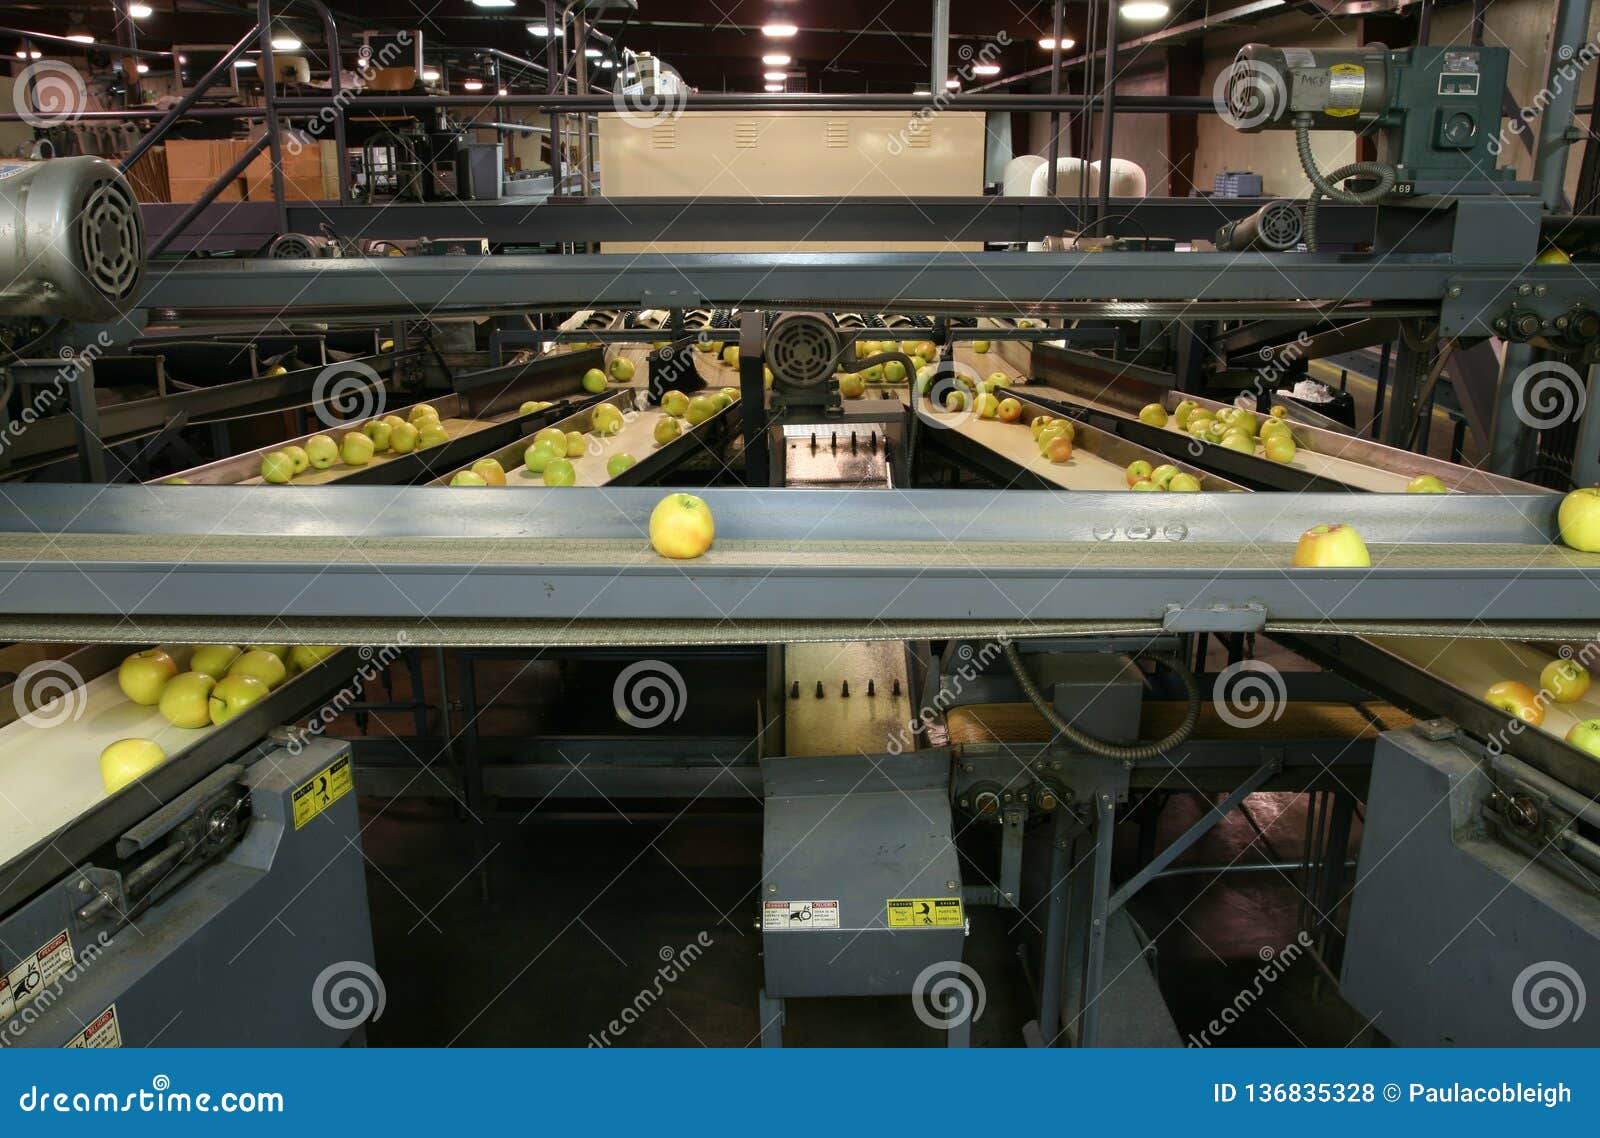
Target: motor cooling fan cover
801	349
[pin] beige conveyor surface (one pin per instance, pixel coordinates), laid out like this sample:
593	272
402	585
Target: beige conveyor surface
637	438
1357	474
50	771
837	724
311	476
1014	442
1474	666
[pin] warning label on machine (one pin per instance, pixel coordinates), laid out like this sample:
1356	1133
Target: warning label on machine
103	1031
780	916
322	791
33	973
925	913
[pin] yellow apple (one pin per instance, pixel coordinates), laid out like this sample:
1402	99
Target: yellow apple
617	463
576	444
276	467
1516	699
304	656
852	386
1565	680
1008	410
468	478
393	422
594	381
403	439
1579	519
422	411
560	472
987	406
622	369
1426	484
955	401
1279	447
1039	423
1154	414
1138	471
666	430
321	451
541	454
1145	485
232	694
1327	546
297	455
606	420
681	526
213	659
184	699
1585	735
730	355
356	449
432	435
701	408
1163	475
128	760
378	431
260	664
1239	441
1181	413
1059	449
490	470
143	675
675	403
980	346
1183	482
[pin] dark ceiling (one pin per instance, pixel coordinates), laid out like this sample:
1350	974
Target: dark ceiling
715	44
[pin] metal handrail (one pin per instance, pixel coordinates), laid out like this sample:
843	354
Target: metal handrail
159	131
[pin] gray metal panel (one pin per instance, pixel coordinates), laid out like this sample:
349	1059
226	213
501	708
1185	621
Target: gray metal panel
1445	921
231	958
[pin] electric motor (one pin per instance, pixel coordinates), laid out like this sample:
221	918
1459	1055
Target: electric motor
1267	87
71	239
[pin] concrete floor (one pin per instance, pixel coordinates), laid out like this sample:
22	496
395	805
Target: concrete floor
581	916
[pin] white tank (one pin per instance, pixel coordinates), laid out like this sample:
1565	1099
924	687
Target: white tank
1018	178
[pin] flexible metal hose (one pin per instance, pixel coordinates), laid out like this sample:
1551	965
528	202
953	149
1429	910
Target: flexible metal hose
1323	185
1121	752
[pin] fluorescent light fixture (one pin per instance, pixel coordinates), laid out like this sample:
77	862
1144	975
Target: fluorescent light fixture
142	68
986	69
607	64
495	3
1067	43
35	54
286	42
429	75
953	84
776	59
140	11
593	52
1145	9
504	92
775	76
472	85
922	91
245	64
543	31
80	37
779	31
774	87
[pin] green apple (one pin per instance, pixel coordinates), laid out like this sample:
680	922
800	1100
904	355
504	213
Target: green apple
1426	484
560	472
1242	420
403	439
432	435
666	430
622	369
1331	545
422	411
467	478
1184	482
127	761
555	436
1279	447
999	379
1585	735
987	406
142	675
531	406
1145	485
356	449
723	400
268	667
894	372
306	656
297	455
281	651
232	694
378	431
606	420
1153	414
675	403
701	408
541	454
213	659
1181	413
1565	680
1578	519
321	451
1239	441
873	374
594	381
1163	475
276	467
980	346
955	401
1138	471
617	463
185	699
576	444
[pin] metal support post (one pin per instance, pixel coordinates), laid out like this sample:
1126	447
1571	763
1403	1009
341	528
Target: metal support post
1094	964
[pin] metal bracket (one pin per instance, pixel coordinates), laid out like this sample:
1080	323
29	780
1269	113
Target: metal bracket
94	894
1215	618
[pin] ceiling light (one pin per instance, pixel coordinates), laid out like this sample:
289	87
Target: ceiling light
775	76
1145	9
34	54
776	59
1067	43
593	52
986	69
140	11
779	31
504	92
430	76
543	31
142	68
495	3
286	42
774	86
80	36
607	64
245	64
472	85
953	84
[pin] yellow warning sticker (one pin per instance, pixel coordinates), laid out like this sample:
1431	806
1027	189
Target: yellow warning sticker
1346	87
926	913
322	791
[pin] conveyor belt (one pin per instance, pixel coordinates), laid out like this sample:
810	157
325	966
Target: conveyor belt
981	723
